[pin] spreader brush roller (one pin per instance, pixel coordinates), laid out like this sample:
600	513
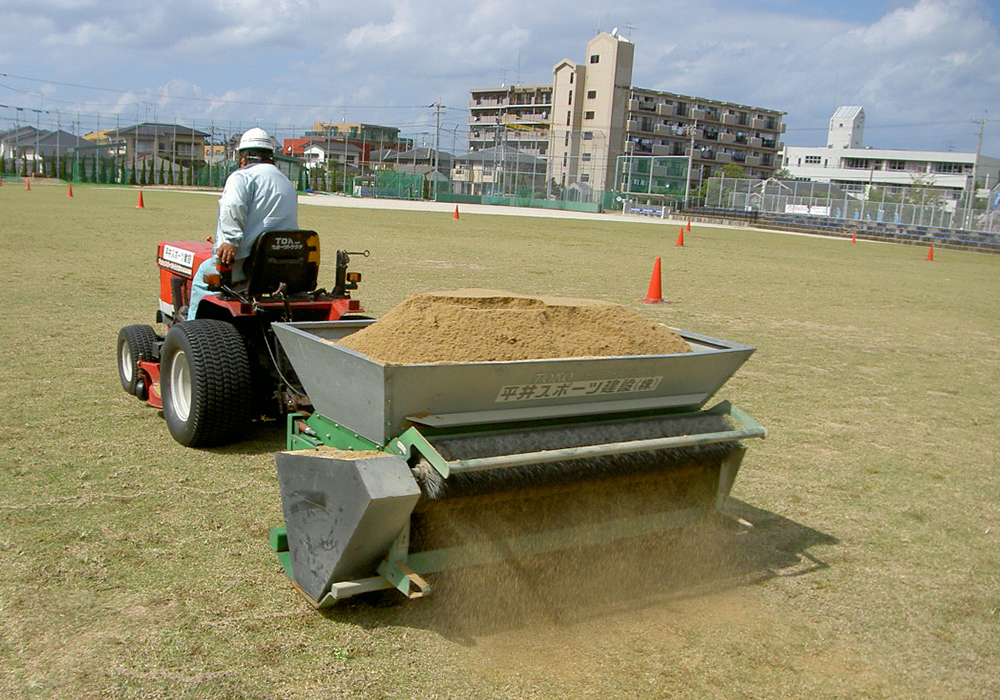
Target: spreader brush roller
406	470
562	455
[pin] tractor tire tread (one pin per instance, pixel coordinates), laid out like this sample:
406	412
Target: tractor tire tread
140	340
221	387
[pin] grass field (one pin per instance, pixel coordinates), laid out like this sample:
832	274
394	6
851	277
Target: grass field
131	567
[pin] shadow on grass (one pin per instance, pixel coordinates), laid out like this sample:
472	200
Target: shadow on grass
593	582
262	437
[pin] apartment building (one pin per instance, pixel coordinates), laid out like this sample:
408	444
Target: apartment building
713	132
514	116
380	136
592	115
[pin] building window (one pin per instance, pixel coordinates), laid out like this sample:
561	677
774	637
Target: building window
570	100
949	167
588	115
857	164
588	135
591	94
812	160
895	165
586	156
585	177
595	58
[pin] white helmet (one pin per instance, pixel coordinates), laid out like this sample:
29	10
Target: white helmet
255	138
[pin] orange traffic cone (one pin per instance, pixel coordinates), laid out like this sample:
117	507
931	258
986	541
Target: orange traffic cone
655	294
140	205
930	253
680	238
27	183
456	212
689	226
854	237
70	192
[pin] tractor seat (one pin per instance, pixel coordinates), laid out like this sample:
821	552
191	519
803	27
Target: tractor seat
291	257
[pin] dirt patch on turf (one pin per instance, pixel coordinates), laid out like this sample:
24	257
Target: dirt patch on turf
479	325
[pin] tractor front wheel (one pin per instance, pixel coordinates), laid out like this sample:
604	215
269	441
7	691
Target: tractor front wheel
135	343
206	382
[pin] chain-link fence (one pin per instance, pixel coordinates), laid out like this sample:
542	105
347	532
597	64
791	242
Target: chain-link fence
907	206
389	185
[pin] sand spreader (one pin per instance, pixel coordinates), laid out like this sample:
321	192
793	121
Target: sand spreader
402	471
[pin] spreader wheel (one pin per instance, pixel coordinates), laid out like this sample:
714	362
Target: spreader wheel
135	343
206	382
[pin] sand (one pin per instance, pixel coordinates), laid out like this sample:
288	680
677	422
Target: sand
482	325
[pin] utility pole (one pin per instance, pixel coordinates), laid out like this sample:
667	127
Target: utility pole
687	185
975	168
437	143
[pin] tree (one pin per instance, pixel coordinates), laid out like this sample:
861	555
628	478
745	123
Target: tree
734	171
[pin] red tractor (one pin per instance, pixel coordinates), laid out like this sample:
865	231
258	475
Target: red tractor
214	374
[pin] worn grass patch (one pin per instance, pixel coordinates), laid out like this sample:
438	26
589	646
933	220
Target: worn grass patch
131	567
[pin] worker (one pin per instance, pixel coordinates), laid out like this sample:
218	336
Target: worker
257	197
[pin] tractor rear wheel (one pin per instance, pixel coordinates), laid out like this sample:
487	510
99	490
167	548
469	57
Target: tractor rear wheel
135	343
206	382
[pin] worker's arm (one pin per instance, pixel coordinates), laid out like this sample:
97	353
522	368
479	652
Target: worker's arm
232	218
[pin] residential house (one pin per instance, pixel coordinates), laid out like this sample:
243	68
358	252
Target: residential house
499	171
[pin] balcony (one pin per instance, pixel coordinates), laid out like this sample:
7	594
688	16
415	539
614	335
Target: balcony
698	114
665	110
663	130
729	119
726	137
753	161
756	142
641	105
723	158
756	123
670	149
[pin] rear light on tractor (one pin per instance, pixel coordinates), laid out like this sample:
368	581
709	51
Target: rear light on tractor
353	277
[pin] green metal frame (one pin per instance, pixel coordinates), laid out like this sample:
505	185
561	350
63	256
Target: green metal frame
314	431
403	570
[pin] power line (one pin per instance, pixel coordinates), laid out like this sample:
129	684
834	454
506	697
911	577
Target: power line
212	100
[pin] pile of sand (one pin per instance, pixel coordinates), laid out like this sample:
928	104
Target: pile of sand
481	325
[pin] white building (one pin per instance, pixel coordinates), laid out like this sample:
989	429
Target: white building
847	128
855	168
321	151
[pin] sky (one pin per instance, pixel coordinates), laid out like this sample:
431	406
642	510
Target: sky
926	72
